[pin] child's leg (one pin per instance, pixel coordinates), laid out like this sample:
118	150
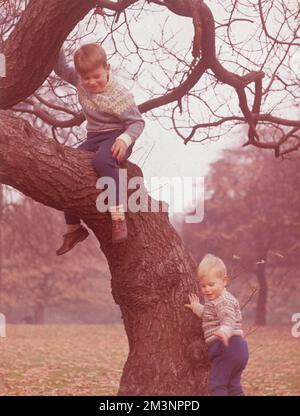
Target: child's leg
235	387
240	352
72	221
227	366
219	377
105	165
108	166
75	232
220	370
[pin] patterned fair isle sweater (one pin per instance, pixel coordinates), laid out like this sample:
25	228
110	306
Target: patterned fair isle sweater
112	109
222	313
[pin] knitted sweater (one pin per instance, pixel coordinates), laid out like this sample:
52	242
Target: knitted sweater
110	110
222	313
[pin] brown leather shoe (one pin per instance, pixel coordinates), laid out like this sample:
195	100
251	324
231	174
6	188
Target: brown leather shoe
119	231
71	239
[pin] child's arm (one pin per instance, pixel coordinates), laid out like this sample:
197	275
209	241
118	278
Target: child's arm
64	70
226	313
133	122
195	305
128	113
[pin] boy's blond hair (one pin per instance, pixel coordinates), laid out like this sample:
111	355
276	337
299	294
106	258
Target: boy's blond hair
89	57
211	262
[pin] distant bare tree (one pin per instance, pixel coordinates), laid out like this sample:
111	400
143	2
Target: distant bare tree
252	218
32	276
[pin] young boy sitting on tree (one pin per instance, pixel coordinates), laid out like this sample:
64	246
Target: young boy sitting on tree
113	125
222	327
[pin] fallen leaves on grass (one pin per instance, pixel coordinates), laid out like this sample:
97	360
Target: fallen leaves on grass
87	360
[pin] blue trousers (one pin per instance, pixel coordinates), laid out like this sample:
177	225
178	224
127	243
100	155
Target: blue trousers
104	163
227	364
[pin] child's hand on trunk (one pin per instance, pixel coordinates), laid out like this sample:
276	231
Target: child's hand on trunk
194	300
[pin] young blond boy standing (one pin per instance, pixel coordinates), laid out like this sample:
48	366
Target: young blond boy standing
113	125
222	327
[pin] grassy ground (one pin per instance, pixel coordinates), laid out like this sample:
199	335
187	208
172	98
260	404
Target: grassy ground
88	360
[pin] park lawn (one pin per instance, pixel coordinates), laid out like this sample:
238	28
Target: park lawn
87	360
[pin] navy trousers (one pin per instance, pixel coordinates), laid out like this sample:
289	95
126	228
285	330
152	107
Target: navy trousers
104	163
227	364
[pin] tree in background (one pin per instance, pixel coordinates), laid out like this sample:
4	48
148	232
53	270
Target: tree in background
153	266
252	217
33	278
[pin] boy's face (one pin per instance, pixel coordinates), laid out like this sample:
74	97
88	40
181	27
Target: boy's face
212	285
96	80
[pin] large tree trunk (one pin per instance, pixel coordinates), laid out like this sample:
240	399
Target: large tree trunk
261	306
152	273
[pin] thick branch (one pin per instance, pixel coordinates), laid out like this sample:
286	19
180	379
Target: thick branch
28	61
